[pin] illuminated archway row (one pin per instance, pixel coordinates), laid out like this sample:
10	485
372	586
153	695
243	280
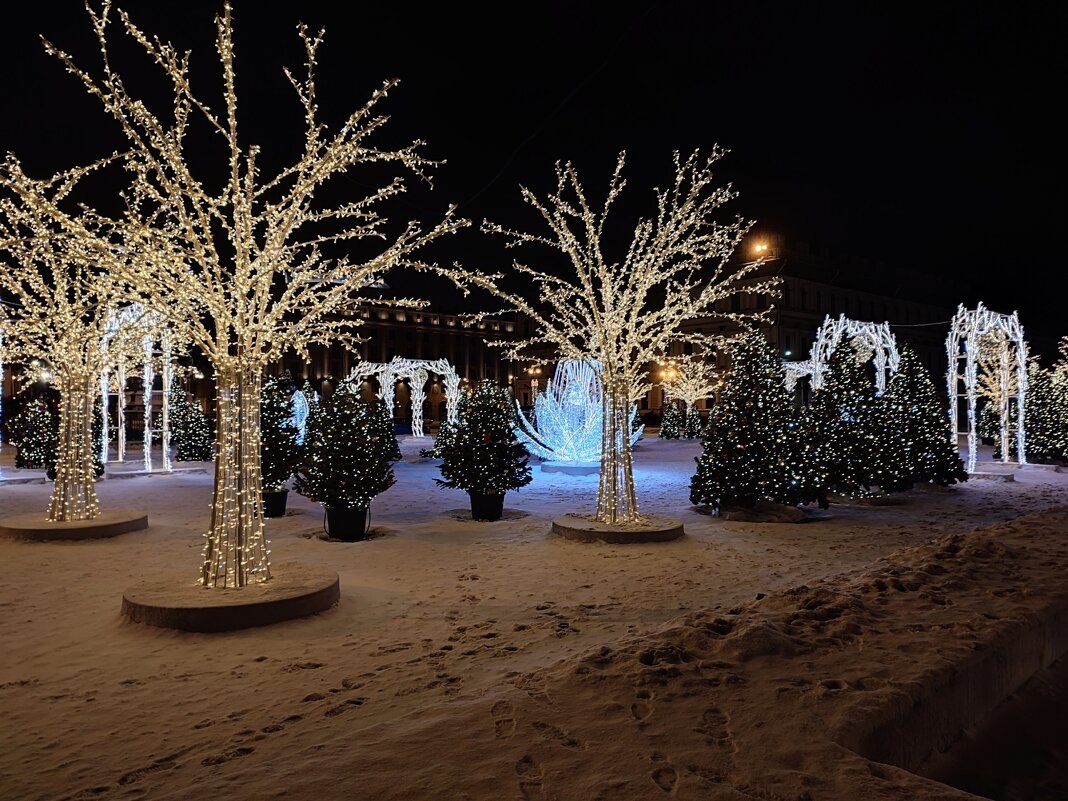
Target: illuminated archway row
416	371
134	320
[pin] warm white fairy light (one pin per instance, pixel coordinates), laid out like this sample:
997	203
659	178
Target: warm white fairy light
986	335
568	416
625	314
247	266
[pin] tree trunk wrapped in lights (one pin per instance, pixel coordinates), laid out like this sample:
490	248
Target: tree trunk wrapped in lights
617	501
625	314
235	553
74	494
246	267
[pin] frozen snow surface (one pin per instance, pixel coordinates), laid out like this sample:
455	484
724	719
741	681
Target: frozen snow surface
488	661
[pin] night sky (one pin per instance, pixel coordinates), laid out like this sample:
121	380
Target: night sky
923	137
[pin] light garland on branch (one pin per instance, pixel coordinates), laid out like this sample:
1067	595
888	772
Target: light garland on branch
245	267
604	311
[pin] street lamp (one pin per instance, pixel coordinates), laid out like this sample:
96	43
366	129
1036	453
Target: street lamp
533	372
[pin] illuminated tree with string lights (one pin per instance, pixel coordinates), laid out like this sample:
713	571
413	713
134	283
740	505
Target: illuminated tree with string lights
57	312
247	263
754	449
625	313
689	380
916	434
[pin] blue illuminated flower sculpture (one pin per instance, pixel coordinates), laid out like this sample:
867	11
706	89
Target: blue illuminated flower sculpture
567	420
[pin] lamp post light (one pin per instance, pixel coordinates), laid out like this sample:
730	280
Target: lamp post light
534	373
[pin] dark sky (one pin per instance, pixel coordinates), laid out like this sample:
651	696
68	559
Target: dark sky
923	136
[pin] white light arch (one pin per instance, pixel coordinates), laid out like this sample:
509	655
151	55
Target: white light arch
417	372
134	322
877	337
971	330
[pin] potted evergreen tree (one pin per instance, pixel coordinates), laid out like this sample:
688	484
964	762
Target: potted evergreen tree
279	451
483	456
346	461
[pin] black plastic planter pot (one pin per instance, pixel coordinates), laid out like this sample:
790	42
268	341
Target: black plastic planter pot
349	525
274	503
486	507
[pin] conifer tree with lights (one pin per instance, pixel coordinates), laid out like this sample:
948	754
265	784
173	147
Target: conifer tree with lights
484	457
346	461
386	433
34	432
841	424
190	428
913	447
279	451
694	425
446	431
672	423
1046	412
753	446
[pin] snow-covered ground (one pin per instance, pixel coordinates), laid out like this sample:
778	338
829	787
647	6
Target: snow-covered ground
441	618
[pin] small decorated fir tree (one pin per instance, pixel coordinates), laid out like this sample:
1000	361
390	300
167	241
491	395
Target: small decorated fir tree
988	420
922	431
1046	414
694	424
753	449
447	431
190	428
279	451
35	432
671	425
841	424
386	433
484	457
346	460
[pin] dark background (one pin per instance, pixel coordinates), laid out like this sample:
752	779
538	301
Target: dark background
919	137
